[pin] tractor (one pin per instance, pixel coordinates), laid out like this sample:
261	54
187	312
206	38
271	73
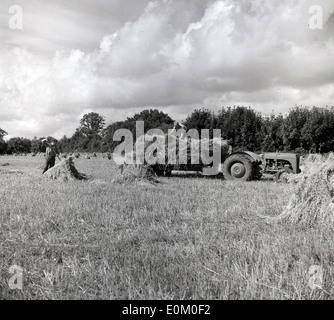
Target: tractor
247	165
280	164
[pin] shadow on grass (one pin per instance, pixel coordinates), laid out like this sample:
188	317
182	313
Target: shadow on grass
194	175
4	164
199	175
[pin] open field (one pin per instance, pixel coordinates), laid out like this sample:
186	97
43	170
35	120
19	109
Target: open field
189	237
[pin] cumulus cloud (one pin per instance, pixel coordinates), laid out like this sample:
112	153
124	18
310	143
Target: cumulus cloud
174	55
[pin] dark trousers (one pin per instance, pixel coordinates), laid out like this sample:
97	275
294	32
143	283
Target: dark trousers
49	163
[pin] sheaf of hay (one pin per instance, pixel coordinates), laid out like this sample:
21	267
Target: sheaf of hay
312	199
64	171
138	174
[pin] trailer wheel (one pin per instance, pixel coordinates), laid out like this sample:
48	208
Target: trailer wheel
159	173
162	172
168	173
237	167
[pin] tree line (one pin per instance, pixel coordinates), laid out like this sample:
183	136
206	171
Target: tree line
302	130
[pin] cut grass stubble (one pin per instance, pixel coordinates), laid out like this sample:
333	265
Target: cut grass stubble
187	238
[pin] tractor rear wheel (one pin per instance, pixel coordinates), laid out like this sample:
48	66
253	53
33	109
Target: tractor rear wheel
237	167
257	172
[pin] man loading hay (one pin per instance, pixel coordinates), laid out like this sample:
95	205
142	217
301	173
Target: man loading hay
50	154
182	132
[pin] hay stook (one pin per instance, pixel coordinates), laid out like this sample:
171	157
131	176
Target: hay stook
138	174
64	171
312	200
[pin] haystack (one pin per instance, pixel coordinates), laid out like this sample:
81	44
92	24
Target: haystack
312	200
132	173
64	171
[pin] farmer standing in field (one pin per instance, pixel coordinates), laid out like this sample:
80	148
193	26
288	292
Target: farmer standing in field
50	154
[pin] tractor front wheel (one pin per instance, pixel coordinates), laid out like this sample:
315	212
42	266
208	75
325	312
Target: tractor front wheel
282	175
237	167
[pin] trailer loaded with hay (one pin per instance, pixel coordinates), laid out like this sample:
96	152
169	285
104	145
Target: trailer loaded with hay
181	153
241	165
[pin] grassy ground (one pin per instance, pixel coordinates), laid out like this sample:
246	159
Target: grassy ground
189	237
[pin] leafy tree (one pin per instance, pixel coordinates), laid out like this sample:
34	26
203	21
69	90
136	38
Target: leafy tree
272	133
317	133
242	126
3	144
108	143
292	128
2	133
79	141
153	119
201	119
91	124
36	145
64	144
88	135
19	145
94	144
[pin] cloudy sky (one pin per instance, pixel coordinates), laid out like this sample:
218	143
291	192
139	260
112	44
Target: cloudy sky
118	57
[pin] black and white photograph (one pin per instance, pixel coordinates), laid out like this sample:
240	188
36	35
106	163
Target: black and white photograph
172	151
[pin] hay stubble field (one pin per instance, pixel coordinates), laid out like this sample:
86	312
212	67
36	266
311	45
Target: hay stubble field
188	237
